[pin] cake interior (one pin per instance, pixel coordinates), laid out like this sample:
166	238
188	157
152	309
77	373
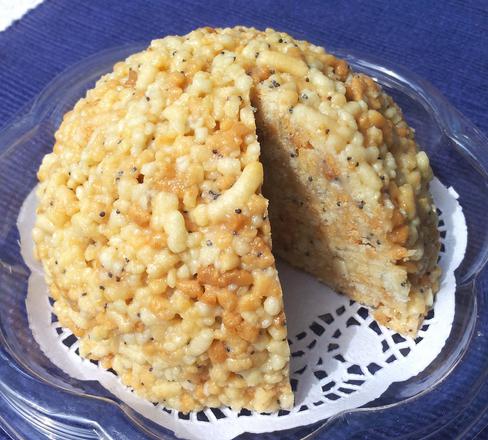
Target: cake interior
319	228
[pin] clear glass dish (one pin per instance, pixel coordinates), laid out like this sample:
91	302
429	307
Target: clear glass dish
37	400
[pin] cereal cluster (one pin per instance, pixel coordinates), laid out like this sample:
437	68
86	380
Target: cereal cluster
152	228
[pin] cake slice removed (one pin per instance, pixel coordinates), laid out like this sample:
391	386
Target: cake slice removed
347	185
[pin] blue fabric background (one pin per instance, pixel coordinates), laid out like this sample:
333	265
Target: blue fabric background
444	42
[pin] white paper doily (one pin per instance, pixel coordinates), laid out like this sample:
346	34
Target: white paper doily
341	358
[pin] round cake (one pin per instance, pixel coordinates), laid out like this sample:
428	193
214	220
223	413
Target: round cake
153	222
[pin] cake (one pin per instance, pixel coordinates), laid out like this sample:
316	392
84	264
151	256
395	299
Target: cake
157	204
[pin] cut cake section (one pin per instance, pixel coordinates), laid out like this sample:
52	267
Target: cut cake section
347	185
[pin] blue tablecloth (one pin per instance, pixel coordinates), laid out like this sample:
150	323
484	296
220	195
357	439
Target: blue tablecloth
444	42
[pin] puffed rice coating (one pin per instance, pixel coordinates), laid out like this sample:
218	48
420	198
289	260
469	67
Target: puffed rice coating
155	236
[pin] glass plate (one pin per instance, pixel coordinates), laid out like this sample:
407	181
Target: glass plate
37	400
